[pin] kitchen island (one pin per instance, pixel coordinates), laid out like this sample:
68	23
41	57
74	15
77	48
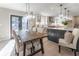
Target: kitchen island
55	33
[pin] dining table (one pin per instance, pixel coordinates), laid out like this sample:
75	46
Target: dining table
30	36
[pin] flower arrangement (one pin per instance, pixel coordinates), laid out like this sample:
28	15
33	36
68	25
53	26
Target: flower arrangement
65	22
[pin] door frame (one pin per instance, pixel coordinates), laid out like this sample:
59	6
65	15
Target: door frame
11	24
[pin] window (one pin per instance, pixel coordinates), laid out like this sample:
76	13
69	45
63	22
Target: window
24	23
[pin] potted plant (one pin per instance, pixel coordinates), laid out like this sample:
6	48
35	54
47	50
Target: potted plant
65	23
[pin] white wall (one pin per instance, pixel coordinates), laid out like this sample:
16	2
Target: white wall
5	22
43	21
75	21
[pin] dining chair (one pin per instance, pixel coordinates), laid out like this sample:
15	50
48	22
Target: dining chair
16	43
36	43
19	45
41	30
74	44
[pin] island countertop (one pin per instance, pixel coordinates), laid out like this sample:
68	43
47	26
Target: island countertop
67	29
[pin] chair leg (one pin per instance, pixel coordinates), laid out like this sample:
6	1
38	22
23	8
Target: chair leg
59	48
31	49
16	53
74	52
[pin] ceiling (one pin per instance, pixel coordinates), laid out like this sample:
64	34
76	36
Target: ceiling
46	9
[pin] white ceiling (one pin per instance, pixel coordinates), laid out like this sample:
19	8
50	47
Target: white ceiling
47	9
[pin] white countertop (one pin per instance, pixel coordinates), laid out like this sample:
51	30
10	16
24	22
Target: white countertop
68	29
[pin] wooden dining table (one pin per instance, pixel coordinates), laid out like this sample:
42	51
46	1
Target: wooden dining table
31	36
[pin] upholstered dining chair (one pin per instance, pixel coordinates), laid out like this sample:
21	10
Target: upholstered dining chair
74	44
34	29
36	43
19	45
41	30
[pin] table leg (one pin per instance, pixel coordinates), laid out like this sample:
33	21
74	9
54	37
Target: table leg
41	42
33	48
24	49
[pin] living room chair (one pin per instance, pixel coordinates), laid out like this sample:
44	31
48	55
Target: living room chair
74	45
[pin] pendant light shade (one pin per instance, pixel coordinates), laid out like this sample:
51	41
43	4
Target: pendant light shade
29	14
65	14
68	15
61	12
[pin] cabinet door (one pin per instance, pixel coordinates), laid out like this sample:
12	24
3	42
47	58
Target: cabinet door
54	34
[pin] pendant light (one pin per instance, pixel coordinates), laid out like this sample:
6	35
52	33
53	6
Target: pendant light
30	14
65	14
28	10
68	15
61	8
61	13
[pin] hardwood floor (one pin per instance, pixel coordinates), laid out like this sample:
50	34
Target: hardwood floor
51	49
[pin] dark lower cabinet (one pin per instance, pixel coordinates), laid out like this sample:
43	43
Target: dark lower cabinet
55	34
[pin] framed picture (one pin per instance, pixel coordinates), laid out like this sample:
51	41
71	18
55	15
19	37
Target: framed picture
51	19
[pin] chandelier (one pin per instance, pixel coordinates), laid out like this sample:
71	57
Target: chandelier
29	13
64	16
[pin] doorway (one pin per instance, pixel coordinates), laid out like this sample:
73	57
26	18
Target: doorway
15	24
